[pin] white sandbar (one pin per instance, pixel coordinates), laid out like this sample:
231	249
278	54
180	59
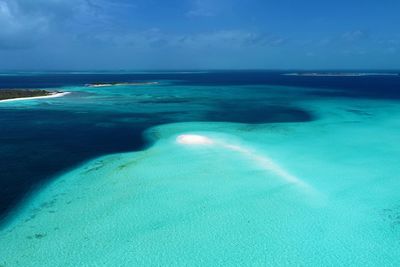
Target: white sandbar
193	139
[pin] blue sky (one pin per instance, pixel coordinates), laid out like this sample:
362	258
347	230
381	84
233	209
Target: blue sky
199	34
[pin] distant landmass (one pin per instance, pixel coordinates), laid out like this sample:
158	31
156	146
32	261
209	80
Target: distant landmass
104	84
340	74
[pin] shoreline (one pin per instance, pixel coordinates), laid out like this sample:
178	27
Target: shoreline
53	95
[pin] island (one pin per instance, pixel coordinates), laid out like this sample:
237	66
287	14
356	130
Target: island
340	74
7	95
108	84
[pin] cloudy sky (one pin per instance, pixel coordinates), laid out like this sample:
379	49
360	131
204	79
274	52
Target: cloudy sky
199	34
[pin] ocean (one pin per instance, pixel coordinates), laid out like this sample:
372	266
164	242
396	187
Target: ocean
272	170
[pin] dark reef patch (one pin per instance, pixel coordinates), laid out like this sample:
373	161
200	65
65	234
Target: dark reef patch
166	101
392	216
252	112
37	236
359	112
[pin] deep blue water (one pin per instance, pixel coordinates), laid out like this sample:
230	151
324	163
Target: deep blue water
38	143
366	86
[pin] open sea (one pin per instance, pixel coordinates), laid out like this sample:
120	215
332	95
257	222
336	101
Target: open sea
211	168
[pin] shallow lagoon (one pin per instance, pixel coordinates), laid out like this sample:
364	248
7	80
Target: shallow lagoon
321	191
41	139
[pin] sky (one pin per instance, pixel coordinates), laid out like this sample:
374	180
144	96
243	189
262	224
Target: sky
199	34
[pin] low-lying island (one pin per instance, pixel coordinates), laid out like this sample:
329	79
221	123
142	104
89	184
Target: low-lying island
7	95
109	84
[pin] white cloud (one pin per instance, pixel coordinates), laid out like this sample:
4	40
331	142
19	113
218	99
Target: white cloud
356	35
231	39
24	22
19	29
224	39
202	8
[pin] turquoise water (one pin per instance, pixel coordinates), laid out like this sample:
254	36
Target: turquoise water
41	139
315	190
